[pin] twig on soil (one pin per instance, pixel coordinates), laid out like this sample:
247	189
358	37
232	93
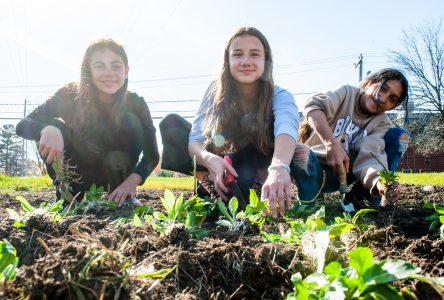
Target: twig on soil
102	292
293	261
205	277
46	248
194	280
177	268
235	292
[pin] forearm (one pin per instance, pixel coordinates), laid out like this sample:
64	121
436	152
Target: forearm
284	149
201	155
318	121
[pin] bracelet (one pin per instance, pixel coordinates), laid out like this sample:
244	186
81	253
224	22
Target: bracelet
280	165
331	139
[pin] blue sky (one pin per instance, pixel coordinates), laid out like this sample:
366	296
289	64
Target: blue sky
175	47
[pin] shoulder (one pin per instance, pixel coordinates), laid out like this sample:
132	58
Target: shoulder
348	90
68	91
134	100
280	93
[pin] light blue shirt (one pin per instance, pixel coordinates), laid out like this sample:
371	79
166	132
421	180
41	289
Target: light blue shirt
285	111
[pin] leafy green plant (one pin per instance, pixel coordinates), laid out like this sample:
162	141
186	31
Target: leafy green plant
137	216
30	213
364	278
241	220
254	209
436	218
95	202
191	213
344	224
387	178
8	261
229	213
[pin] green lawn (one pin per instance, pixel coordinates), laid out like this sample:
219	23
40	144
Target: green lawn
422	179
35	184
12	184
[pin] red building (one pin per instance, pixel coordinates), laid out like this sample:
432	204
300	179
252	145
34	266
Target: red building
417	163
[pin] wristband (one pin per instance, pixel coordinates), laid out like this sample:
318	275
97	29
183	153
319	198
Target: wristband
331	139
281	165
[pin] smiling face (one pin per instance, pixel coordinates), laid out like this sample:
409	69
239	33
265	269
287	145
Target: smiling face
382	97
246	59
108	72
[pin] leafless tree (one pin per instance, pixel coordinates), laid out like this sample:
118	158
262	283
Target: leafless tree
423	60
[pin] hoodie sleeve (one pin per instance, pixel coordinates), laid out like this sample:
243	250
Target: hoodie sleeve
329	102
366	167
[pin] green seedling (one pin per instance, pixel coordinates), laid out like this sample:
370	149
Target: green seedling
8	261
387	178
436	218
364	278
191	213
95	202
137	217
32	217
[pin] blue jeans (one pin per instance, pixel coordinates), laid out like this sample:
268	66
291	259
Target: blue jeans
308	172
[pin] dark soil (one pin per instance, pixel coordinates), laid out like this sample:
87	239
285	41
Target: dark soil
87	256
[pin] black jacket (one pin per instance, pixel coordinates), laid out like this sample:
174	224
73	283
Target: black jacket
116	153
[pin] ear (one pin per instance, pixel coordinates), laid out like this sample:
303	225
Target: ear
126	72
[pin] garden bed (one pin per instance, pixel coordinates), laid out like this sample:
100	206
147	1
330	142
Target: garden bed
84	255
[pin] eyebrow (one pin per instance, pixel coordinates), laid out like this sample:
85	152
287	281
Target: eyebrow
251	50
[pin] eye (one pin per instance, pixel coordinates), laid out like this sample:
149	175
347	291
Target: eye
99	67
117	67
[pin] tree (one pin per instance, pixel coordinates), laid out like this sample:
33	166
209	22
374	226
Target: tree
11	151
423	60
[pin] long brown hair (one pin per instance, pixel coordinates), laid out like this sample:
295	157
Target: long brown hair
83	121
224	115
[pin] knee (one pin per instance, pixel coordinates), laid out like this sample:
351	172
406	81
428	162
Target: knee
404	140
301	156
169	120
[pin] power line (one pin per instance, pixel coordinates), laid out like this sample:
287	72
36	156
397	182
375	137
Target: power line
177	78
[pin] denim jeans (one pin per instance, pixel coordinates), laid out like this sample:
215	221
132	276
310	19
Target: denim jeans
308	172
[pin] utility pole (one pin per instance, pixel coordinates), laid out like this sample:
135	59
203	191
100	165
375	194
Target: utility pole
24	149
360	63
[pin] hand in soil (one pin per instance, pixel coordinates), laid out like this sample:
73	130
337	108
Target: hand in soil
389	193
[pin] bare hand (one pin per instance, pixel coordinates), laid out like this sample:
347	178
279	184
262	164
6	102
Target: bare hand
393	191
277	189
217	167
338	160
125	190
51	143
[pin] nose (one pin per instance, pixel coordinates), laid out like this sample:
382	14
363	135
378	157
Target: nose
109	72
245	60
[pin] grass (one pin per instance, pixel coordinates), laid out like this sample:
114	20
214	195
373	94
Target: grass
171	183
10	185
35	184
422	179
